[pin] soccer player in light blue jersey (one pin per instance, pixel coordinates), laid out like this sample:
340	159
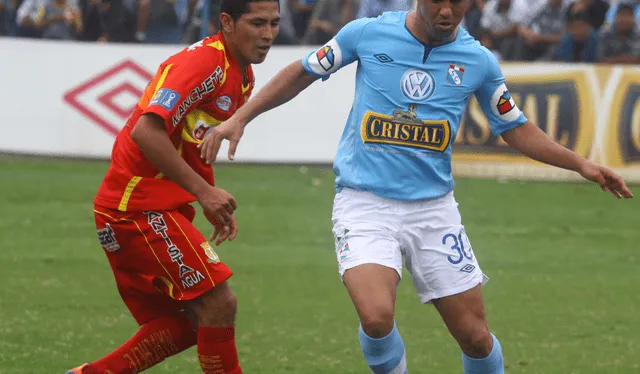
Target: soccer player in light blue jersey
394	188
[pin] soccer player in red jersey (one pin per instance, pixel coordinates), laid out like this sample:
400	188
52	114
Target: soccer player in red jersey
166	271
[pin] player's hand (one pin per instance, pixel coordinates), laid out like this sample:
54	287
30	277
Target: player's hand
606	178
218	206
222	233
231	130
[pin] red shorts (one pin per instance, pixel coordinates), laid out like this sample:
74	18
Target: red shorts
159	259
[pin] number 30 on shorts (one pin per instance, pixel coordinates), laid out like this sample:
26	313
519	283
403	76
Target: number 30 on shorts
457	245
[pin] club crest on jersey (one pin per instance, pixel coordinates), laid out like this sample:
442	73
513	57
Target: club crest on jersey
503	105
224	103
404	128
454	74
417	85
200	130
211	254
326	57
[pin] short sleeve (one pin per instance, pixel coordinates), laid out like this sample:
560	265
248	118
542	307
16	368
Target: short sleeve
338	52
182	86
496	100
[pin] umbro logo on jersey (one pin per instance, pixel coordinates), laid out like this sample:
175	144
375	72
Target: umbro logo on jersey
382	57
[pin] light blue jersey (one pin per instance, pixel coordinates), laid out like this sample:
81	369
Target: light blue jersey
409	101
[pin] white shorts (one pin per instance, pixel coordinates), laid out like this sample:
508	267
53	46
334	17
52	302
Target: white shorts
429	234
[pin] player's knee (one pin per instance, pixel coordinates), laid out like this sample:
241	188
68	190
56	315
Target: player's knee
477	341
377	322
216	308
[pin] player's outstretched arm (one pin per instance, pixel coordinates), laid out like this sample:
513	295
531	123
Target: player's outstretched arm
150	135
286	85
536	144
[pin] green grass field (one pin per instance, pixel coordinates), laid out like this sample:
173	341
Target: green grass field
563	261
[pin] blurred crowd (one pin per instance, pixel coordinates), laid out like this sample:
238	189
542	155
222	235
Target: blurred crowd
515	30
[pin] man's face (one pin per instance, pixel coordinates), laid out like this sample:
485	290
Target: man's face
579	29
625	21
441	17
555	3
253	33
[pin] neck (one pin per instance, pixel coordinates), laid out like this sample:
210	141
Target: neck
417	27
242	63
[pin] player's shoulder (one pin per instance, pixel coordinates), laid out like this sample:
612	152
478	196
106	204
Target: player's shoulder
472	47
205	52
373	25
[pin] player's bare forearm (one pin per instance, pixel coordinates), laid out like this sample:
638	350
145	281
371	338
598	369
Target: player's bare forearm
150	135
536	144
286	85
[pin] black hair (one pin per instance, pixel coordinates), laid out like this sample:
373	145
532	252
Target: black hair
625	7
577	16
236	8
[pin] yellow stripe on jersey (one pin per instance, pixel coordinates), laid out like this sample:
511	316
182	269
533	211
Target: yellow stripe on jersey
219	46
163	77
127	193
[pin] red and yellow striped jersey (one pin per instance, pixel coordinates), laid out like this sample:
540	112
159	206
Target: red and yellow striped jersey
192	91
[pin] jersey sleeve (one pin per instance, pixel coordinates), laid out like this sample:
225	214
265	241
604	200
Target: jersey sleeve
183	85
496	101
338	52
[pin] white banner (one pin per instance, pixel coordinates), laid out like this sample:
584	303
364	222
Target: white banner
70	99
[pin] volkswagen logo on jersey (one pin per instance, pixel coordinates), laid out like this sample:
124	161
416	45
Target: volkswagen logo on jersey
417	85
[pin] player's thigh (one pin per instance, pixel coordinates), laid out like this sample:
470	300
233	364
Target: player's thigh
439	254
364	230
464	312
368	253
464	316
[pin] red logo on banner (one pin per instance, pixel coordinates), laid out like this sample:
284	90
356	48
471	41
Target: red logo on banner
109	98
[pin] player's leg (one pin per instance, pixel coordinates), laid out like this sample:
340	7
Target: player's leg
372	289
200	278
446	273
464	316
216	312
164	330
370	263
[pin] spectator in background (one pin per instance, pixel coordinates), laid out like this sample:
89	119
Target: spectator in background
594	11
620	42
580	42
108	21
3	27
287	34
161	21
193	32
29	18
543	33
472	17
327	18
301	10
374	8
500	18
485	39
61	20
611	13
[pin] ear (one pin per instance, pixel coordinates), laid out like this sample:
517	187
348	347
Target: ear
226	22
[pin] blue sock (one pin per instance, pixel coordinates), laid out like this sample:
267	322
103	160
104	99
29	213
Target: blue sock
384	355
492	364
